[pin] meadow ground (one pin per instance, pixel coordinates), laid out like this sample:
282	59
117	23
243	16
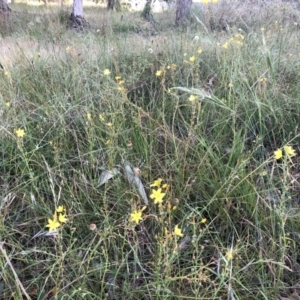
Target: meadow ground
164	161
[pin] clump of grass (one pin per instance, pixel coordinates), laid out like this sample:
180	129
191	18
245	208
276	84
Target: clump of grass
170	163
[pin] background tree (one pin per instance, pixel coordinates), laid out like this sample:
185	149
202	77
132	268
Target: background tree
4	14
110	4
4	8
77	20
183	10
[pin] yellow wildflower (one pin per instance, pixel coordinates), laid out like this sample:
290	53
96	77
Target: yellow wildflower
68	48
192	59
229	255
60	209
157	196
53	224
136	216
106	72
158	73
62	218
203	221
289	151
199	51
89	116
278	154
193	98
156	183
19	132
263	79
225	46
177	231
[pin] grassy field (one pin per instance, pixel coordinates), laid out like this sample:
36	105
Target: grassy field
145	161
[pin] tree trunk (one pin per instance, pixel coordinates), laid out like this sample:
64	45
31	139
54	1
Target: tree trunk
77	20
4	8
78	8
5	13
183	11
110	4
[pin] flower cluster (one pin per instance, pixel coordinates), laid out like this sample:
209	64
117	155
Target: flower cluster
59	218
236	40
287	150
157	195
120	83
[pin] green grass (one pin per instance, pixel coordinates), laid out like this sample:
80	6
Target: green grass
226	192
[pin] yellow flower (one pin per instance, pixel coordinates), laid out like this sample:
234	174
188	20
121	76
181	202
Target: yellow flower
203	221
199	51
101	117
118	78
193	98
156	183
106	72
278	154
263	79
165	186
68	48
157	195
109	124
289	151
62	218
53	224
6	73
177	231
239	37
192	59
229	255
136	216
19	132
89	116
122	89
230	85
225	46
7	104
60	209
158	73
